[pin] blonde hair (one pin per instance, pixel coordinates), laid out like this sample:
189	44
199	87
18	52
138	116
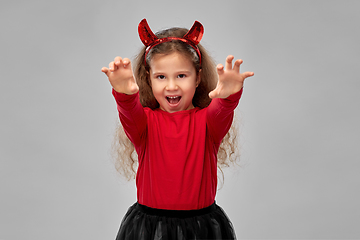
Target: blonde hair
123	150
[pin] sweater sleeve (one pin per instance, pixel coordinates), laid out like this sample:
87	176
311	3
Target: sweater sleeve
220	115
132	116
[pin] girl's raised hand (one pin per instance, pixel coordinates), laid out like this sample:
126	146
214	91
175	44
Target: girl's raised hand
230	80
121	76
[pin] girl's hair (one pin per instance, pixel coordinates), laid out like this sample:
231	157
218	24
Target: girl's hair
124	151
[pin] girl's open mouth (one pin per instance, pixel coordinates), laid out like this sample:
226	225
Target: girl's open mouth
173	99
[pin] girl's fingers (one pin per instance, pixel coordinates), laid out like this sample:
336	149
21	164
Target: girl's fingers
228	62
112	66
117	61
237	65
248	74
126	62
220	69
212	94
104	70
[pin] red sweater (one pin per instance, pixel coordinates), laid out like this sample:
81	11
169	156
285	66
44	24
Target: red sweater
177	152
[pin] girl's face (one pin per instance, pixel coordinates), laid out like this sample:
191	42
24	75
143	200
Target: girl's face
173	80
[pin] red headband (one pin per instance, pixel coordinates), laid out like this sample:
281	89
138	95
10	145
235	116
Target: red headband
192	37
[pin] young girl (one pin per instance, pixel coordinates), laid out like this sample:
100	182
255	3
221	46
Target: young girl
175	109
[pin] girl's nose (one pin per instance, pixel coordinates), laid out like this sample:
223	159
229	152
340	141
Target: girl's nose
171	86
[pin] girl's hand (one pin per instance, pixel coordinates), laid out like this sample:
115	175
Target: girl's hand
230	80
121	76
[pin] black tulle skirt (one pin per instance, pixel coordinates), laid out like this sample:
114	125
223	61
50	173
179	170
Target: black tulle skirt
145	223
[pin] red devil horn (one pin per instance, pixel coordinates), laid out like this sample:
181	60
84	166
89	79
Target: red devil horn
145	33
195	34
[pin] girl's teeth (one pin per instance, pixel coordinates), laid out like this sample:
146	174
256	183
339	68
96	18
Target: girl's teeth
173	100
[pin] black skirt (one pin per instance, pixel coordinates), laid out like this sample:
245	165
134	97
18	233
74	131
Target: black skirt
145	223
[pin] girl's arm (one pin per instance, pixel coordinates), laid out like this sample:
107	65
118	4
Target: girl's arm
132	116
225	97
125	91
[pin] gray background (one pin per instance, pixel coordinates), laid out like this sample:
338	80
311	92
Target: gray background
299	115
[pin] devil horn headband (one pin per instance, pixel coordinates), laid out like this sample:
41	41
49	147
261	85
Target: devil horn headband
192	37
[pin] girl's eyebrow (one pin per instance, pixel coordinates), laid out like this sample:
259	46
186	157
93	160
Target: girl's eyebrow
177	72
154	73
184	71
157	73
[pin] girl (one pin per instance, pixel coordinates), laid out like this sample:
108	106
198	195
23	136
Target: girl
175	109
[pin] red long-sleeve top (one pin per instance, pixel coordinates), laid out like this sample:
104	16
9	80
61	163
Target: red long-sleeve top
177	152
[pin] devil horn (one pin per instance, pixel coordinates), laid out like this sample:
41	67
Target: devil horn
145	33
195	34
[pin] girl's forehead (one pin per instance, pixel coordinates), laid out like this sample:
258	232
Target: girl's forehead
175	54
172	60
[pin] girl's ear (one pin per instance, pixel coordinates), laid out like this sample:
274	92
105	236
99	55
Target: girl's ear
198	78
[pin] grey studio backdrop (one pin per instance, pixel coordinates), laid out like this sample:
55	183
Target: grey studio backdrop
299	115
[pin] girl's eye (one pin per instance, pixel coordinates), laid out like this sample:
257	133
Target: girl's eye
161	77
181	75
